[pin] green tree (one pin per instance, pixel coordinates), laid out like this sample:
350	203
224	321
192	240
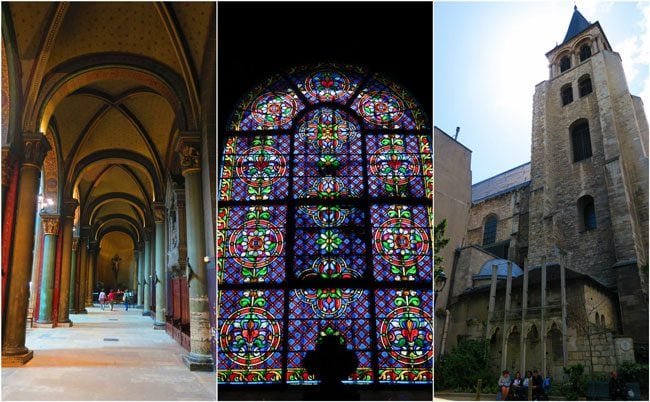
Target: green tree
460	369
439	242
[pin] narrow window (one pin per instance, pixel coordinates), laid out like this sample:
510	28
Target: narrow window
585	52
597	318
584	85
490	230
581	141
602	320
565	64
587	213
567	95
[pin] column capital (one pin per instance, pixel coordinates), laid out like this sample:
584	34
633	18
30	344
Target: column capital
93	246
188	146
159	212
84	231
50	223
75	243
8	160
69	207
35	146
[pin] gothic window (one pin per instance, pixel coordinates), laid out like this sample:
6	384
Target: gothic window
602	320
490	230
585	52
324	227
587	213
567	94
584	85
581	141
565	64
597	318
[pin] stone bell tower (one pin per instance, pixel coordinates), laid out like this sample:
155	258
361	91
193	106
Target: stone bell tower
589	171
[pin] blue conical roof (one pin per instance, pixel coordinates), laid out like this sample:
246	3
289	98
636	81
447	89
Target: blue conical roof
578	24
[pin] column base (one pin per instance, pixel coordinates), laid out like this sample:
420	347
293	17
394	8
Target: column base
65	324
139	306
89	304
84	311
147	313
37	324
196	362
17	360
159	325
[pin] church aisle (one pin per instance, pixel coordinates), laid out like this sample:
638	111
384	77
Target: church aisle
79	363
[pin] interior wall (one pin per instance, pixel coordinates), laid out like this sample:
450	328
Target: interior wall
122	245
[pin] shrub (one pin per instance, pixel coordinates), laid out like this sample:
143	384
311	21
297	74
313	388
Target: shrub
576	385
635	372
461	369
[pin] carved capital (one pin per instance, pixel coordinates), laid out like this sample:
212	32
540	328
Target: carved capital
189	156
159	212
75	243
35	146
69	207
85	232
50	224
7	166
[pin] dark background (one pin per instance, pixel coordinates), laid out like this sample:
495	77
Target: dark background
257	39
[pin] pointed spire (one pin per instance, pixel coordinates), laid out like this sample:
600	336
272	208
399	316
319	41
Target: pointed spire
578	24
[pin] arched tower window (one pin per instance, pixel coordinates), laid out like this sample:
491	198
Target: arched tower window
584	85
565	64
490	230
580	140
597	318
587	213
324	227
585	52
567	94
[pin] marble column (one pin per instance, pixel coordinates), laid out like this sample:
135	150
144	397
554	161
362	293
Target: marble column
46	289
69	206
93	251
83	271
134	278
73	275
14	352
159	275
200	357
141	276
146	296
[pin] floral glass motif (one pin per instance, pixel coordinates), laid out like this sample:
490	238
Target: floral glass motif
352	323
314	162
250	336
405	328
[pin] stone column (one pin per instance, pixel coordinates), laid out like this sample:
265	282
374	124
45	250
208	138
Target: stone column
14	352
136	258
159	275
146	297
524	307
565	352
73	275
46	289
93	251
69	206
493	294
7	171
506	311
200	357
83	272
141	276
543	325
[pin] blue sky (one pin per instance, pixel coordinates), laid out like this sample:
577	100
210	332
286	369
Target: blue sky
488	57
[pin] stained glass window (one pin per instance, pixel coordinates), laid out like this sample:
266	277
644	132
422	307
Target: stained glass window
325	227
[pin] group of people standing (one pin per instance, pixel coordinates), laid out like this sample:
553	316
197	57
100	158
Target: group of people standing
516	388
114	297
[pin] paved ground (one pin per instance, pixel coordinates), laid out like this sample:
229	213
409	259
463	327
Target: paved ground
78	363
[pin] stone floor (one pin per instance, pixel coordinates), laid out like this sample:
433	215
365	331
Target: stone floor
83	363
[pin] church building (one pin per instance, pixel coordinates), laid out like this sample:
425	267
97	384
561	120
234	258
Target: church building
551	267
108	170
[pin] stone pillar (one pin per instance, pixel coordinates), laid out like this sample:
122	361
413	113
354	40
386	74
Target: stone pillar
159	275
93	251
543	324
493	294
506	311
14	352
73	275
146	297
83	271
7	171
524	307
200	357
136	258
69	206
565	352
141	276
46	289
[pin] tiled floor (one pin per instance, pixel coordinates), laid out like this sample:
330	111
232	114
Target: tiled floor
79	364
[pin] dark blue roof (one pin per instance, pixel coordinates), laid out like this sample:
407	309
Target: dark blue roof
578	24
502	268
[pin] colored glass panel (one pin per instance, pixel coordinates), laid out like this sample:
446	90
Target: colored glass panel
326	84
401	238
405	335
395	165
255	168
254	244
314	313
250	335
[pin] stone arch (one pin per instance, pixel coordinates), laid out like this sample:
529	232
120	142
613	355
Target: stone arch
91	208
12	74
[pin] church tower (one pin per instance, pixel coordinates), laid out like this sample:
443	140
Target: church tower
589	171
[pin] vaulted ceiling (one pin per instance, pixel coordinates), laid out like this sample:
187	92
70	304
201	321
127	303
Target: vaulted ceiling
112	84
